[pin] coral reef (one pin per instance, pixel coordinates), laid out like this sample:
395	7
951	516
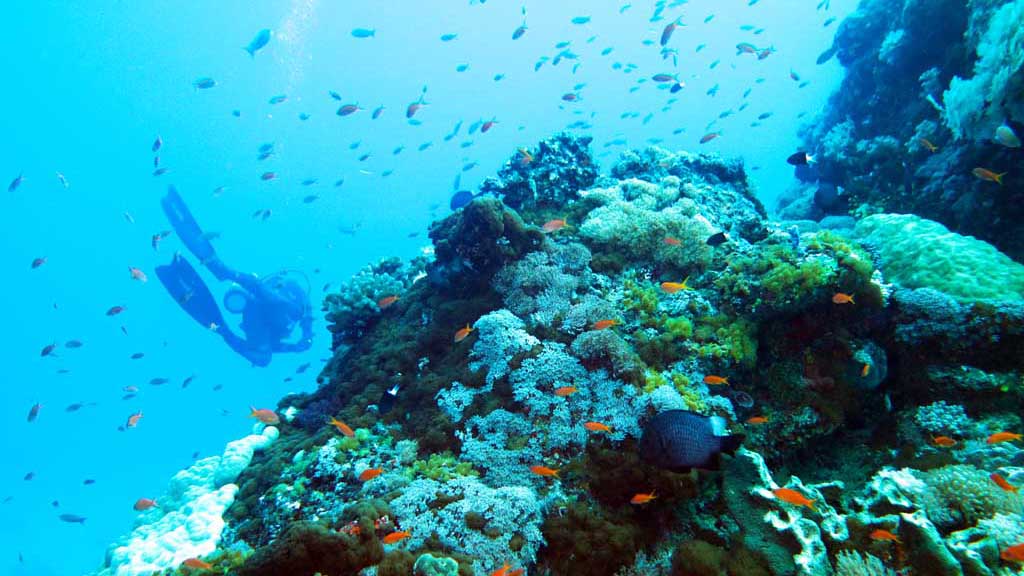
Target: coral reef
927	84
493	411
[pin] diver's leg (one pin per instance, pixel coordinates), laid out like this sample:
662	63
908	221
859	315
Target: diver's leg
192	235
257	357
190	292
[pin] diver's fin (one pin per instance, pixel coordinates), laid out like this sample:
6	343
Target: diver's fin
186	227
729	444
190	292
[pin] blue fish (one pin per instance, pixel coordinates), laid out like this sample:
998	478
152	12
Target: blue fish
579	20
460	199
364	33
72	518
448	37
259	41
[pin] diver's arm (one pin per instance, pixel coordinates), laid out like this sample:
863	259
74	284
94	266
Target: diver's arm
305	340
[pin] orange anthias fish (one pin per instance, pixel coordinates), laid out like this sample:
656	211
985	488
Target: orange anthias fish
673	287
757	420
603	324
197	563
525	158
137	274
264	415
596	427
342	427
564	391
396	537
641	498
1014	553
463	333
1002	483
672	241
865	370
927	144
712	380
793	497
386	301
884	535
999	437
133	420
503	571
988	175
370	474
842	298
143	504
943	441
554	225
544	471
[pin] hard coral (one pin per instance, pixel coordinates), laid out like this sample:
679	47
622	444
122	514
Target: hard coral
550	178
307	548
920	253
473	243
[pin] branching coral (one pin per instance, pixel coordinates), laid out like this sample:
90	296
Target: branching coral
500	336
975	106
942	418
354	308
637	217
493	525
541	286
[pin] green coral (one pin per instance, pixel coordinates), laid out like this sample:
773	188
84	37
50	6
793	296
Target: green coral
642	300
727	339
442	467
920	253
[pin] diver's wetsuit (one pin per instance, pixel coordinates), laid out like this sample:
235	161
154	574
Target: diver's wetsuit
270	307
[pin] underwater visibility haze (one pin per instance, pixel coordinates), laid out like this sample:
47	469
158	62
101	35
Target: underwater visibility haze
495	288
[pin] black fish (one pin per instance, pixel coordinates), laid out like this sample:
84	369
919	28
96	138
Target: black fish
800	159
387	400
717	239
679	440
827	54
72	518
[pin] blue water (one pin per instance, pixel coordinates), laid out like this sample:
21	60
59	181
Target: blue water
90	85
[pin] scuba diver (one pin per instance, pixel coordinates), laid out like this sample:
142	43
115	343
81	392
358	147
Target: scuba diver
271	307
